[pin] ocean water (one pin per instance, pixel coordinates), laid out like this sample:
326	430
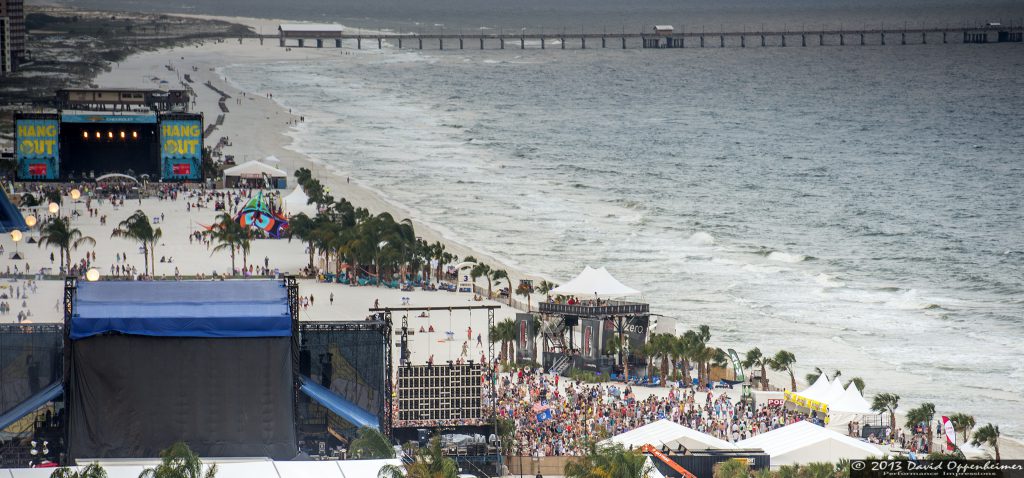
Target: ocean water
862	207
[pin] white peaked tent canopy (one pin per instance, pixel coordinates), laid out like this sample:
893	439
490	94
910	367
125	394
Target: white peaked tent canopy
849	407
671	434
805	442
851	401
817	390
592	282
254	169
835	390
298	202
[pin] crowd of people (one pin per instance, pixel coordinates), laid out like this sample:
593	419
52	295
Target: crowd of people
554	421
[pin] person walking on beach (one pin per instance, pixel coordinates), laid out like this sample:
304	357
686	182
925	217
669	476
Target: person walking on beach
465	349
469	333
332	298
479	342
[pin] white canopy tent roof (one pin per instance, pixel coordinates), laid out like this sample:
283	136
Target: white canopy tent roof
805	442
254	169
298	202
835	390
817	389
851	401
593	282
671	434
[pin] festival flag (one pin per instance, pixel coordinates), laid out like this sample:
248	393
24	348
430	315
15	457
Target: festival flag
545	415
947	427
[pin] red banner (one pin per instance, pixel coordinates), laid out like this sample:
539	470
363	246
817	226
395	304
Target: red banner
38	169
183	169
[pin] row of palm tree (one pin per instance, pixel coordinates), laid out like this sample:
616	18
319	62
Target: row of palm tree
680	352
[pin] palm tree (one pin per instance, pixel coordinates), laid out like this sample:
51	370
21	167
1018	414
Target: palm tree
482	270
59	233
92	470
611	461
504	332
783	362
371	444
545	287
963	422
502	274
923	413
228	233
179	461
857	382
753	359
987	435
524	290
886	402
427	462
138	228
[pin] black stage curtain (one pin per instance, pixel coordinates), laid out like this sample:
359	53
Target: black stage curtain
132	396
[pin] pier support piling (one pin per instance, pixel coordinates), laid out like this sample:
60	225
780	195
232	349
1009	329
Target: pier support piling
623	43
821	39
924	38
603	44
359	43
721	41
783	40
481	43
380	43
762	40
943	37
421	43
842	39
563	42
583	43
883	38
743	41
702	41
903	38
502	43
522	43
302	43
803	39
541	43
461	44
861	39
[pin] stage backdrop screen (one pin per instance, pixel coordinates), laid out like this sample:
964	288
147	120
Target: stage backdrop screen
132	396
37	148
181	149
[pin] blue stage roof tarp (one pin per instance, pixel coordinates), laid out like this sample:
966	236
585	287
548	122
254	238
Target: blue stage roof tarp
337	404
31	404
232	308
10	217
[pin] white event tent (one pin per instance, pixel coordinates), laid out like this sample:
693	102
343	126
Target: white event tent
298	202
252	170
843	405
805	442
668	433
595	282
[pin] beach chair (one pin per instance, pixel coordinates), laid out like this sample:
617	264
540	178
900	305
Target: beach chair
363	281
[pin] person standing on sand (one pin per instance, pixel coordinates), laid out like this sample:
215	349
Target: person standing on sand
332	298
469	333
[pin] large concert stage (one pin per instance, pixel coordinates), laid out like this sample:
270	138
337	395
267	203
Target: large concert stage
223	365
63	146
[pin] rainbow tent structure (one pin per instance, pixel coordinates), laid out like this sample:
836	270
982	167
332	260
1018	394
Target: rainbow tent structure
257	213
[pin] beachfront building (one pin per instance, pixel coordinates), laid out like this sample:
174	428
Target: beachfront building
577	330
318	32
12	34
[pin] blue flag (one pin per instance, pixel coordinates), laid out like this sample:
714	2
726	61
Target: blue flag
545	415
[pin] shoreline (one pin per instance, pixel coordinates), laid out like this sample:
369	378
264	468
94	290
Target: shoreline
265	137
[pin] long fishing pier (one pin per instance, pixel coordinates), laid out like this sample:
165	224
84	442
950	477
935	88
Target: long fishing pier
661	36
